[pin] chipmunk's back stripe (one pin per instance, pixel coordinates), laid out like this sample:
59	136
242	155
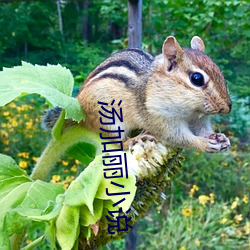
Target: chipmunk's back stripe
118	63
118	77
142	53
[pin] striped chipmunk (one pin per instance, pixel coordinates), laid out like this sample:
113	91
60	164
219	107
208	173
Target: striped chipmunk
169	97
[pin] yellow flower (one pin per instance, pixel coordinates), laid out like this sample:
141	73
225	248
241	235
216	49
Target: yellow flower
65	185
203	199
12	105
187	211
193	190
197	242
223	235
211	195
65	163
234	152
4	134
24	154
245	199
23	164
238	233
29	124
223	220
14	123
235	203
182	248
247	227
77	162
6	113
55	178
70	178
224	164
73	168
238	218
35	159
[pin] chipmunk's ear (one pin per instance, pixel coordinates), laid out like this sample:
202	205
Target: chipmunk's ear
171	49
197	43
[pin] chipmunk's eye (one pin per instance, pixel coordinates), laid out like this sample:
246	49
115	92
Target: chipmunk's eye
197	79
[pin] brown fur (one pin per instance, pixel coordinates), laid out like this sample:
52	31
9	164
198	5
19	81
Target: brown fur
157	95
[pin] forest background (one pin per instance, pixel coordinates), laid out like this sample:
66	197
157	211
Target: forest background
207	206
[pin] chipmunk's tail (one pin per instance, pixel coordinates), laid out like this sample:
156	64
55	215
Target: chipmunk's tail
50	117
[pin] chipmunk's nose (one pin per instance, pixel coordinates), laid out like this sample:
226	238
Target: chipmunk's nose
227	108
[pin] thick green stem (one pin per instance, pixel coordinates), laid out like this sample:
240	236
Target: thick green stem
57	147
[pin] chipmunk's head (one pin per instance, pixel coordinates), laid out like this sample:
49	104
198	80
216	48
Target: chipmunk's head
198	77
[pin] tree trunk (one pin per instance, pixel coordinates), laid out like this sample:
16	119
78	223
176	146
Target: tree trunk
131	239
59	16
135	23
85	20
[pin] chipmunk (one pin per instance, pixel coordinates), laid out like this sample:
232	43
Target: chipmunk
170	96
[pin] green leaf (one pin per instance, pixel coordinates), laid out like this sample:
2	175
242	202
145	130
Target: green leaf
67	226
6	186
83	152
86	218
129	186
39	194
83	189
9	168
50	234
53	82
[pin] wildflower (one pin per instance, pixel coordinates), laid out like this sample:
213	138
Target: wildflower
65	163
55	178
23	164
35	159
65	185
14	123
73	168
211	195
234	152
238	218
24	154
238	233
77	162
224	164
183	248
235	203
203	199
223	235
245	199
197	242
223	220
193	190
29	124
187	211
70	178
12	105
4	134
247	227
6	113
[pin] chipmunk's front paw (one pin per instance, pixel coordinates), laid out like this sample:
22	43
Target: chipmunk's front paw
217	142
141	139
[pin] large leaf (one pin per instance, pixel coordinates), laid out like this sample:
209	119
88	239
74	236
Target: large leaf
20	197
67	226
9	168
83	189
83	152
53	82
